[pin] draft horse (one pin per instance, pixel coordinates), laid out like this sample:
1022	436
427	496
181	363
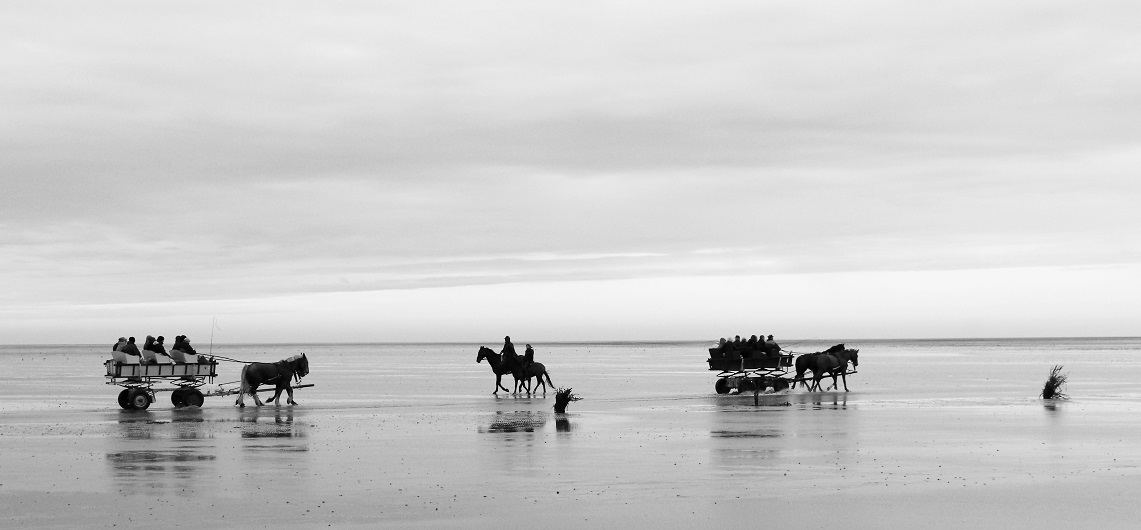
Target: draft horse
279	373
833	361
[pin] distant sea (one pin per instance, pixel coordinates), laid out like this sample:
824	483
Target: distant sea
44	378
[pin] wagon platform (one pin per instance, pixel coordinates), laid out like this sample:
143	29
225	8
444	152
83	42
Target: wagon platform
139	382
749	370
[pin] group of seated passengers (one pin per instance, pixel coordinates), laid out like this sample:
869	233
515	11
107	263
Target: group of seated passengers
180	352
745	347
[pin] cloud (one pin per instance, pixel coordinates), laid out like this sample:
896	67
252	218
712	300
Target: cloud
219	152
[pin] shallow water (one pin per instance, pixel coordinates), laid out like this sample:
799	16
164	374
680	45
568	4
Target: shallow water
397	433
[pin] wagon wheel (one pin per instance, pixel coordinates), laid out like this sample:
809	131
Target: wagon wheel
124	399
746	385
194	397
139	399
779	384
178	397
722	386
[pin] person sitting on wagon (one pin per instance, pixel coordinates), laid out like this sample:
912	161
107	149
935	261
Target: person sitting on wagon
130	349
182	343
149	352
771	347
117	350
181	352
741	346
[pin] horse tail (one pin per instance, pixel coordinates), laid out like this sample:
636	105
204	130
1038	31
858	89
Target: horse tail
241	402
548	376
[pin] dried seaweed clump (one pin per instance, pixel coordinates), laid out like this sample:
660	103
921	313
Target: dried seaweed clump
1053	387
564	397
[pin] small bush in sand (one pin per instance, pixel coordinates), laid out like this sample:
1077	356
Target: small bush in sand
563	397
1053	386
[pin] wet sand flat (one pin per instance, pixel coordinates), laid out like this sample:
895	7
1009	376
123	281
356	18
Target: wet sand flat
669	456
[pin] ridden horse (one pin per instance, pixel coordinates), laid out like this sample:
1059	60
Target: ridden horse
497	366
536	370
833	361
279	373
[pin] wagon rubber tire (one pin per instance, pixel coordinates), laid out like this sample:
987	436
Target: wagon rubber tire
721	386
124	399
194	398
178	397
780	384
746	385
139	399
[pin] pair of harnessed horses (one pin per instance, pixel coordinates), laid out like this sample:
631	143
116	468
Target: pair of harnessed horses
833	361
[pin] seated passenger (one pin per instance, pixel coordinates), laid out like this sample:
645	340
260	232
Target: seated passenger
117	350
158	346
771	347
131	350
148	352
182	352
742	346
186	347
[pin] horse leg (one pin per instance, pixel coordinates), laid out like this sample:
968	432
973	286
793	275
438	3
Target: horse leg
254	393
844	376
276	394
289	390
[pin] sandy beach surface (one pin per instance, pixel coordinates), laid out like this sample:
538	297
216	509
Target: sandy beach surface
941	434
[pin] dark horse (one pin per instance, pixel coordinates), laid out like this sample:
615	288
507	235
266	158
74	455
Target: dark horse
279	373
524	375
497	366
833	361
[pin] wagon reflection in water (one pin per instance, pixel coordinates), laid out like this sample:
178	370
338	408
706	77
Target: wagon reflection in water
161	455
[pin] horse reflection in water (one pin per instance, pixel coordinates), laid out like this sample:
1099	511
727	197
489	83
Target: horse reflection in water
518	421
279	373
282	425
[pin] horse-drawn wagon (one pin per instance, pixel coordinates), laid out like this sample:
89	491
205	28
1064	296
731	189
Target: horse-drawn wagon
755	369
139	382
749	369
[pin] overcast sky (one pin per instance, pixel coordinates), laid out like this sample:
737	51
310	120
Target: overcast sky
459	171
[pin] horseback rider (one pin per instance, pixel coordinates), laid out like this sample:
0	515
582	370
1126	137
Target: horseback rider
528	357
508	352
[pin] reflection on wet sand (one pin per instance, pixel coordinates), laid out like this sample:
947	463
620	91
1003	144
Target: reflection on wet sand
262	422
166	462
516	421
780	425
